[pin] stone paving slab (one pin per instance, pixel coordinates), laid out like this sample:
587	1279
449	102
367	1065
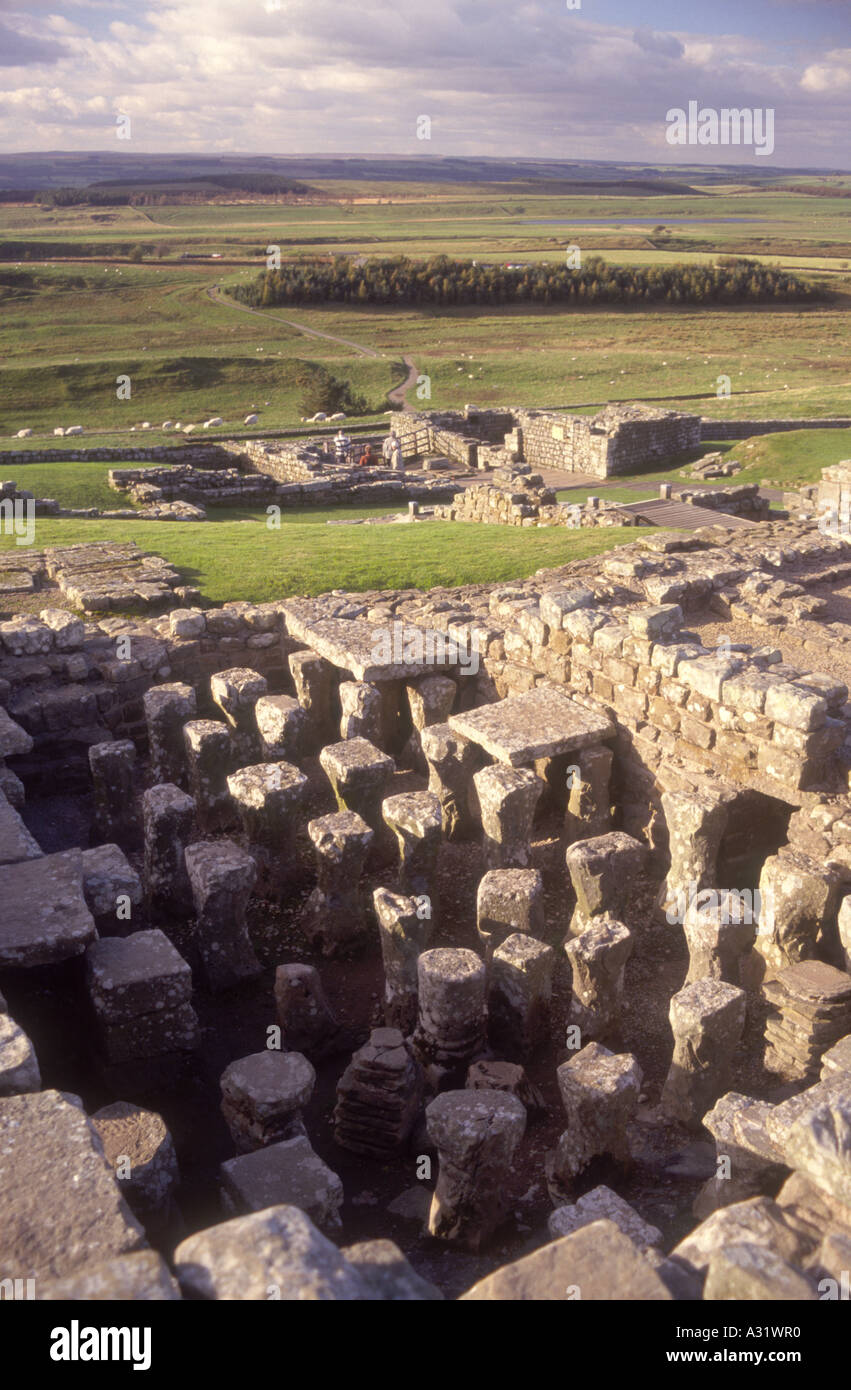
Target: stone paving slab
373	652
537	724
63	1211
44	918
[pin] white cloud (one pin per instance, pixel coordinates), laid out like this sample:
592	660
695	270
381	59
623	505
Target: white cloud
833	75
496	78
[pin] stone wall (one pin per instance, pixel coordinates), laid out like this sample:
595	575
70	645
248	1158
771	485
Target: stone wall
734	501
743	429
608	632
617	440
517	499
321	488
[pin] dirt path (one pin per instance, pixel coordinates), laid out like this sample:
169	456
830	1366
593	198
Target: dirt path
218	298
399	393
396	396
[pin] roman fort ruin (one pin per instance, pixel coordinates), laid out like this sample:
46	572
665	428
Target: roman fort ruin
338	963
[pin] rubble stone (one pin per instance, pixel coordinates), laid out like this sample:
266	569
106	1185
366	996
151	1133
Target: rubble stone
19	1070
379	1096
288	1172
275	1253
595	1263
139	1149
63	1212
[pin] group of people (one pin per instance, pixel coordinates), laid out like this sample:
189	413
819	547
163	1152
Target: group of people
391	451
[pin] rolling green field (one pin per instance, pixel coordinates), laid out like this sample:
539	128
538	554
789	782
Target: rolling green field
69	328
189	357
79	310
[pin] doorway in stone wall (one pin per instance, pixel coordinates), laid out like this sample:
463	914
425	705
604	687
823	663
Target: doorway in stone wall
756	828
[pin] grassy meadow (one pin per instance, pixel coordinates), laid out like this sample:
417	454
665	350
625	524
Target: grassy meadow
73	323
79	309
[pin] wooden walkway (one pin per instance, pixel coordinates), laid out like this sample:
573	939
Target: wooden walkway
683	516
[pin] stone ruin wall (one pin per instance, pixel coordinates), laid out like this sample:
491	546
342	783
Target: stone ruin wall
696	736
743	429
742	500
517	499
744	716
616	440
568	442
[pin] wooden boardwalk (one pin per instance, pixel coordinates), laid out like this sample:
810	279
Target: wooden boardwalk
683	516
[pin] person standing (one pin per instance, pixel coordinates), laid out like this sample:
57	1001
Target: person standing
342	444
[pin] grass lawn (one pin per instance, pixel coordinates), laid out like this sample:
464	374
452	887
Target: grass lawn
71	483
790	460
231	559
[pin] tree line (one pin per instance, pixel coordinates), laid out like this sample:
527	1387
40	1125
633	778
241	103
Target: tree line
444	282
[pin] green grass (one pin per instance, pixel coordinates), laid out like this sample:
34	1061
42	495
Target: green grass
790	460
246	560
73	484
70	329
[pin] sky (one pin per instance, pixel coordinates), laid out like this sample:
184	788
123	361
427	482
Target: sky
584	79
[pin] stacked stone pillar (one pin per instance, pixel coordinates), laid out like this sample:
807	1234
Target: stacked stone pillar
167	708
405	930
236	693
222	876
207	745
333	917
268	797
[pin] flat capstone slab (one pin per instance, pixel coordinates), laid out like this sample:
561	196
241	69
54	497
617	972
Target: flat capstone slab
137	974
363	648
541	723
44	917
350	760
63	1211
251	786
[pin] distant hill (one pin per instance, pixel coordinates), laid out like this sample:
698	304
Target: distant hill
117	168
